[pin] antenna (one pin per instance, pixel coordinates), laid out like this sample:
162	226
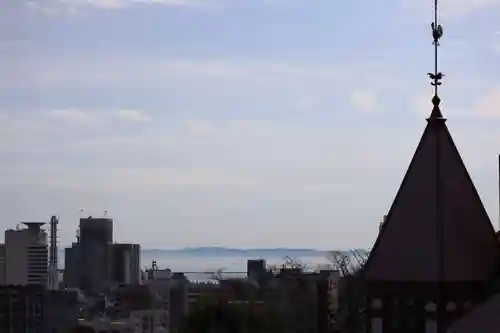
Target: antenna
436	77
53	254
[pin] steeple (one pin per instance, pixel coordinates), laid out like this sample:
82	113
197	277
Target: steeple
437	229
436	76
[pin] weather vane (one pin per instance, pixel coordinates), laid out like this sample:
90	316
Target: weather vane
437	33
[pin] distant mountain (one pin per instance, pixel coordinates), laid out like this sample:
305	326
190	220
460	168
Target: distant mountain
213	251
216	251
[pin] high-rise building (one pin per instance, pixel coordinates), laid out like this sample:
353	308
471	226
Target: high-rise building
93	253
22	308
2	264
94	263
96	230
26	255
125	263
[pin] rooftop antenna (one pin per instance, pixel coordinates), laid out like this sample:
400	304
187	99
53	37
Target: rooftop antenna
53	254
436	77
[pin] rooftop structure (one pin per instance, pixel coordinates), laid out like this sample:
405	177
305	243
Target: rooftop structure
437	250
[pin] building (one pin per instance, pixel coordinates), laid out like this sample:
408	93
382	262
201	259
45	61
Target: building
2	264
428	279
176	293
26	255
94	264
94	254
304	298
484	318
125	263
104	325
437	252
22	309
141	307
71	267
256	268
61	310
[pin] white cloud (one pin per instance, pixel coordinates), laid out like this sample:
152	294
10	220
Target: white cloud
488	106
78	6
161	178
136	70
496	42
200	127
452	8
133	115
305	103
72	116
364	101
463	7
122	179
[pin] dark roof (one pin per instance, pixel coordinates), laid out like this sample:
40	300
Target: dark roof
437	227
484	319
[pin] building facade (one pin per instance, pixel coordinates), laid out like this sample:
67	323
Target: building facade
437	251
26	255
2	265
125	263
94	264
21	309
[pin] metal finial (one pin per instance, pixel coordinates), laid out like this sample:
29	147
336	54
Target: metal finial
437	33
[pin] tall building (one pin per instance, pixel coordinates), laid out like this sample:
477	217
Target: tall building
94	264
96	230
26	255
2	264
256	268
22	309
93	254
125	263
71	267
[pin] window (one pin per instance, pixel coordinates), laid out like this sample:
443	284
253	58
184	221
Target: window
431	326
377	325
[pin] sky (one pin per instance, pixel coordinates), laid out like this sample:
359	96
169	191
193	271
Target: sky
239	123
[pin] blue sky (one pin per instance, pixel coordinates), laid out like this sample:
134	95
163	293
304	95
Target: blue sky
245	123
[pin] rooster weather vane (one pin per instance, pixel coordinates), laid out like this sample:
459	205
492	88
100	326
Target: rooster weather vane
437	33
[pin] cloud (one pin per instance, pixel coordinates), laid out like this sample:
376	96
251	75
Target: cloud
55	7
305	103
71	116
200	127
132	115
140	70
496	42
458	8
364	101
454	9
122	179
488	106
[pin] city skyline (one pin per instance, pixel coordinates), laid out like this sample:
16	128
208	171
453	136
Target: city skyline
235	123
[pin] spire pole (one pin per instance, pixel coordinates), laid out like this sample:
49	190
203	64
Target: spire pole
437	76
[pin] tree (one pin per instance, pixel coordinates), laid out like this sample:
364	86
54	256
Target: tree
214	314
349	312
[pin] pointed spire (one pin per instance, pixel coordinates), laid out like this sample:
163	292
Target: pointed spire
436	111
437	221
436	77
